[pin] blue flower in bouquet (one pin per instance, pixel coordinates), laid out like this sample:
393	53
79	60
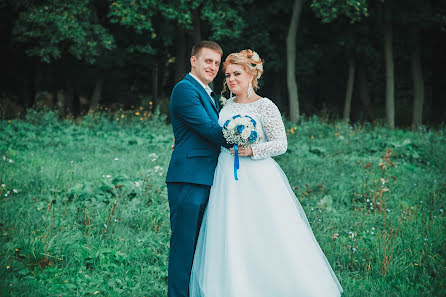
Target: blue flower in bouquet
240	130
253	136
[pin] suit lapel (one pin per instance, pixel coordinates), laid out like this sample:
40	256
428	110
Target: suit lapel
216	102
203	92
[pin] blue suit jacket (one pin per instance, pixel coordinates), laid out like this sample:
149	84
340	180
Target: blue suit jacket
198	137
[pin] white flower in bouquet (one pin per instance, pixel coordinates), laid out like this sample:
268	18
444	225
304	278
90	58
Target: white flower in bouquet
241	130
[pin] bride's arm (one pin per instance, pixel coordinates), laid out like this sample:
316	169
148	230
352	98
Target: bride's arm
276	141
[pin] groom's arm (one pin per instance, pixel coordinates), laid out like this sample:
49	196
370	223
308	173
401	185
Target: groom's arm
187	106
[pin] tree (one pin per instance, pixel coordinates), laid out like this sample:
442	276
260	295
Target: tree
62	31
291	61
389	65
353	11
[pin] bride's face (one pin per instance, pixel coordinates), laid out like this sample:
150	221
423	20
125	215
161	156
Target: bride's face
237	79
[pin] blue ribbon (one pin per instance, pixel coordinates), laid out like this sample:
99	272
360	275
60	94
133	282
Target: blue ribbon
236	161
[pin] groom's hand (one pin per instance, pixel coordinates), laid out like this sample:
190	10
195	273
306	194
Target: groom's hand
243	152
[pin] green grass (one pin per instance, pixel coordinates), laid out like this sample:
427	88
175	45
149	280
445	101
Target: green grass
84	210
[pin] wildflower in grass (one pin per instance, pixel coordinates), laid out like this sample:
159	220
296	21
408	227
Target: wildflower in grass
441	210
105	225
7	267
388	210
335	235
115	220
10	161
4	158
3	185
116	159
15	191
312	137
137	184
421	201
354	249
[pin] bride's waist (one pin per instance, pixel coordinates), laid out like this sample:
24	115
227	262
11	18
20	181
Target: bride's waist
225	150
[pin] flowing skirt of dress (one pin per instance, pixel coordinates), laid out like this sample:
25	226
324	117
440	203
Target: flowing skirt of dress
255	239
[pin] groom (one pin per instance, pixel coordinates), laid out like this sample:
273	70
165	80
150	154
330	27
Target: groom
198	138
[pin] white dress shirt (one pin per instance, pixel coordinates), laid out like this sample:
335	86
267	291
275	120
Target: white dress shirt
206	87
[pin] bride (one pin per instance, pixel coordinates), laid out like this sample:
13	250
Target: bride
255	239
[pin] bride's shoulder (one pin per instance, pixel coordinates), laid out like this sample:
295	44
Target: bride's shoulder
268	105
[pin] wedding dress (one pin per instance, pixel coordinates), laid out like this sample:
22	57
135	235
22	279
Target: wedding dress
255	240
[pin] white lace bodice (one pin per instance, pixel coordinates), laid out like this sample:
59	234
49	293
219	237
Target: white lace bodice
271	130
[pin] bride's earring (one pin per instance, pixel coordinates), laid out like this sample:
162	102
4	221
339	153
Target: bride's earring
249	90
230	94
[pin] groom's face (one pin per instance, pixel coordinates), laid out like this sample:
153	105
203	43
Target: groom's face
205	65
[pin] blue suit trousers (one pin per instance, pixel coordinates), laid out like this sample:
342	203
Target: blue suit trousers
187	203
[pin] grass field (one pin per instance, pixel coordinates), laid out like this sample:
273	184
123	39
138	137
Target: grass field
84	209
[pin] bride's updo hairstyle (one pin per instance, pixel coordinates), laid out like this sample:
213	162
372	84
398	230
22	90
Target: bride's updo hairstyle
250	61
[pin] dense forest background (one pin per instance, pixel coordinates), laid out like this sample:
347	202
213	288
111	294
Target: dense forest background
377	61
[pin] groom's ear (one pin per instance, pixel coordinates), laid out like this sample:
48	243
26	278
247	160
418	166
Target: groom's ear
193	60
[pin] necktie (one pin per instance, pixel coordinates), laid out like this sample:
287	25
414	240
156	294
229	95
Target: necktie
212	96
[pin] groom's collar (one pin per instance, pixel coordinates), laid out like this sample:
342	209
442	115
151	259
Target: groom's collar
205	87
214	101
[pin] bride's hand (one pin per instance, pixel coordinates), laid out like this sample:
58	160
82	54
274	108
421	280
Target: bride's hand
243	152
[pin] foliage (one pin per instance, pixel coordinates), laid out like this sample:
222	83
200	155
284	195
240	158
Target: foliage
84	205
329	10
54	28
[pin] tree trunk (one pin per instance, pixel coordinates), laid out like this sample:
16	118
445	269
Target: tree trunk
68	97
27	92
180	54
291	61
364	94
438	45
155	78
96	96
390	79
54	102
76	101
418	84
196	33
349	91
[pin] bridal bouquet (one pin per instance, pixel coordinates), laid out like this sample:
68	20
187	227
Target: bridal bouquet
240	131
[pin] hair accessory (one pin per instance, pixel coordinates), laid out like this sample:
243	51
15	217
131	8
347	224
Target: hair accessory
258	65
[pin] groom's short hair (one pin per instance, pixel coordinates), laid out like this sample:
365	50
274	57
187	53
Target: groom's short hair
206	44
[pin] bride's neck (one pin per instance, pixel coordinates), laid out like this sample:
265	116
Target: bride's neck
243	98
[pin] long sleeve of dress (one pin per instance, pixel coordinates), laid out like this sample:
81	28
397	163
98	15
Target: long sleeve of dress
276	142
